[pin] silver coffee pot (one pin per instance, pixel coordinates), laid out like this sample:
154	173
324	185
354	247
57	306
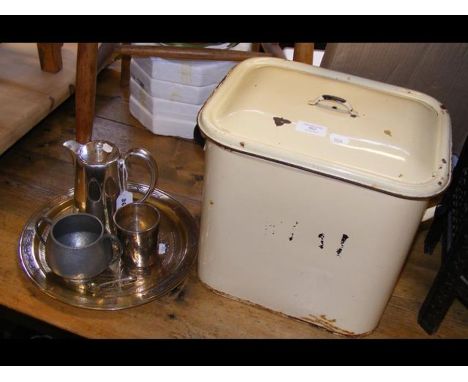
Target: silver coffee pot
100	177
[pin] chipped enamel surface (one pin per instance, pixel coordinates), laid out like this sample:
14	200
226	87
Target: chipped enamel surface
302	244
315	185
381	136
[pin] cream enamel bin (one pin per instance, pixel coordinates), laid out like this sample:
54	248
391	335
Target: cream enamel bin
315	184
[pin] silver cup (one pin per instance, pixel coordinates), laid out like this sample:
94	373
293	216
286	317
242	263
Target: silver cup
77	246
137	228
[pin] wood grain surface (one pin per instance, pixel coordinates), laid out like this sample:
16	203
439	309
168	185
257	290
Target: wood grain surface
37	168
28	94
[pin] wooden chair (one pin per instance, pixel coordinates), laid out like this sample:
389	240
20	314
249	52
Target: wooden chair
302	52
90	60
86	69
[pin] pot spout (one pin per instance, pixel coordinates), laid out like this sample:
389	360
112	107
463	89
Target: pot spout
73	147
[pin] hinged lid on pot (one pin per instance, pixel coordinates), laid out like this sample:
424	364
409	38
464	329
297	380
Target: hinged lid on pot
381	136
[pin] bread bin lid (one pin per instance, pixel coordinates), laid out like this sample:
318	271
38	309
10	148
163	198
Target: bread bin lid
377	135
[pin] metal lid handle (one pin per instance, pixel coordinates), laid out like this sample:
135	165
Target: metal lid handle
341	101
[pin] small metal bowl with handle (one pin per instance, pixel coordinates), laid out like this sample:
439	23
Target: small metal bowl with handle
77	246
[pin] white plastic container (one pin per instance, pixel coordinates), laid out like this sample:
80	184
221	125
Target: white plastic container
193	73
190	72
171	91
315	184
160	107
161	124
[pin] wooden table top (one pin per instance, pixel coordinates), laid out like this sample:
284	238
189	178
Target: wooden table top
37	168
28	94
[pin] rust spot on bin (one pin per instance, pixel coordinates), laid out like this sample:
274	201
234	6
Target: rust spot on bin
322	238
443	160
329	325
242	144
324	318
211	202
322	321
343	240
279	121
388	132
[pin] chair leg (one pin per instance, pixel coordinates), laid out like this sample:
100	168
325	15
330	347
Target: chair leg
85	95
50	57
125	71
274	49
438	301
256	47
304	52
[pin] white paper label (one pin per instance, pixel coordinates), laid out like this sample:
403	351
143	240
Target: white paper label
124	198
161	248
107	148
339	139
311	128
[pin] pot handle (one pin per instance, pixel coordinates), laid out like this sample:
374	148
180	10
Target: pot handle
152	166
38	224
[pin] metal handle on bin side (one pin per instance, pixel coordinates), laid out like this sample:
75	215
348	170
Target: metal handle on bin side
152	166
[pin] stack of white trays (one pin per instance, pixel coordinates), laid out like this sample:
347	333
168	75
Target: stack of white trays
166	95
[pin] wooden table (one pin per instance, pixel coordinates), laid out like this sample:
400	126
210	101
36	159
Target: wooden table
37	168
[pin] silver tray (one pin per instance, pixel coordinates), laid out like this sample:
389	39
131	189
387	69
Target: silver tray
116	288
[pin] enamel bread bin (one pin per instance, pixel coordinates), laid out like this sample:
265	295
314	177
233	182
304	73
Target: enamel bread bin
315	184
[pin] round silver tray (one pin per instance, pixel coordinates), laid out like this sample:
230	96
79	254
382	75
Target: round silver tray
116	288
